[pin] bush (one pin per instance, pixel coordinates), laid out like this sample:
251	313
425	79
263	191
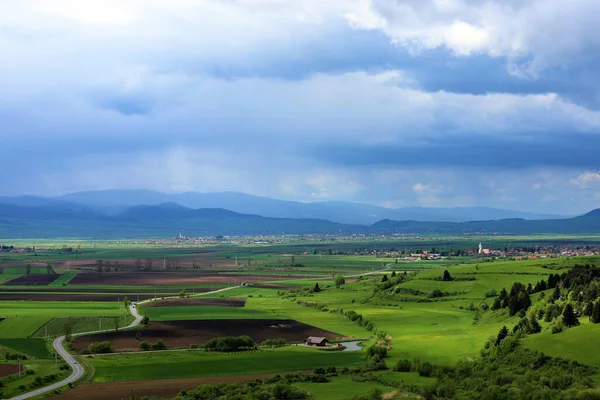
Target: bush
426	369
100	347
230	343
145	346
159	345
280	342
402	366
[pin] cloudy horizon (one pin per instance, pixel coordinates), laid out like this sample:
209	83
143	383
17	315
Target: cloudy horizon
433	103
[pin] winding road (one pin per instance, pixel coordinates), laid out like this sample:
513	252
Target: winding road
78	370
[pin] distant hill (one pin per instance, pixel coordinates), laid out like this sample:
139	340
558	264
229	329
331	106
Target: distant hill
593	213
169	219
113	202
164	220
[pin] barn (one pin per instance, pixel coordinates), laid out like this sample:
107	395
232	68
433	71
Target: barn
316	341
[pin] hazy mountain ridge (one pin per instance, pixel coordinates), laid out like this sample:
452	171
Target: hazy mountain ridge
169	219
114	202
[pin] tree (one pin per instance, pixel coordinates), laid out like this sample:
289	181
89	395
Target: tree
555	295
339	281
588	310
68	328
293	259
393	274
116	323
99	265
596	313
28	269
502	335
316	289
50	269
182	293
569	317
125	301
138	264
534	326
148	264
384	278
446	276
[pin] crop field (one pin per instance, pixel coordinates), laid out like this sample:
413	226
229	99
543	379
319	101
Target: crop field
33	280
151	279
163	388
77	297
172	313
56	326
423	317
20	326
63	279
5	277
182	334
8	369
37	348
190	364
199	301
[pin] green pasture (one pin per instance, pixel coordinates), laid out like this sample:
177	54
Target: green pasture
21	326
23	270
37	348
63	279
171	313
52	309
5	277
342	388
25	318
56	326
189	364
577	343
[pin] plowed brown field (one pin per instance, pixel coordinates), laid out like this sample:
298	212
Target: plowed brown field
182	334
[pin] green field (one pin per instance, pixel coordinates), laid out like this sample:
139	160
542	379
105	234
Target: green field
63	279
171	313
56	326
37	348
5	277
21	326
187	364
342	388
443	330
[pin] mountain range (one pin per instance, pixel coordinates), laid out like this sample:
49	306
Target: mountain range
135	213
113	202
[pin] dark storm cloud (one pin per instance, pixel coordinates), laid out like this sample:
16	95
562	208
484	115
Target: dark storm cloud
568	151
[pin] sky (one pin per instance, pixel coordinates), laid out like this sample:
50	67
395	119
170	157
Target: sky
433	103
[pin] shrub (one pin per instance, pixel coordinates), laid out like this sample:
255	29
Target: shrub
402	366
159	345
145	346
230	343
100	347
426	369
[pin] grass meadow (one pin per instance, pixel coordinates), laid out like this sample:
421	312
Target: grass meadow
187	364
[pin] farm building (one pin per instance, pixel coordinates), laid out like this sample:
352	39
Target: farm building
316	341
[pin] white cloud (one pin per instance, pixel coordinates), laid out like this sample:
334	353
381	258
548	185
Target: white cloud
586	180
534	35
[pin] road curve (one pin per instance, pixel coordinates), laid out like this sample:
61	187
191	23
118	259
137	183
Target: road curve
78	370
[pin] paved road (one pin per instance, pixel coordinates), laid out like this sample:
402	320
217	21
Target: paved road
78	370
